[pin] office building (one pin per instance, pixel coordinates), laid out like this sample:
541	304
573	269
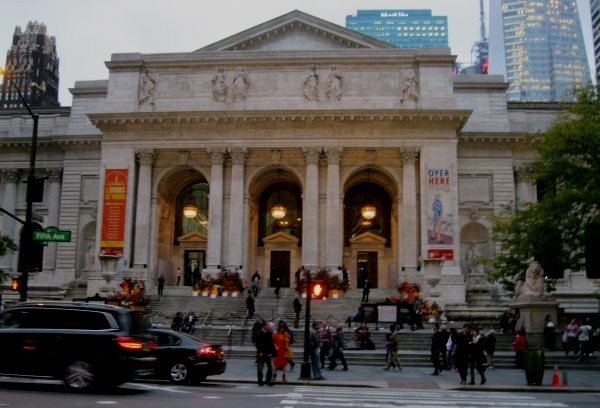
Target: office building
595	13
538	46
32	64
402	28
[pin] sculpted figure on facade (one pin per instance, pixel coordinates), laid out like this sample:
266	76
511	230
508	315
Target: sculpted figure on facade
311	84
147	88
534	281
219	86
334	84
240	86
410	85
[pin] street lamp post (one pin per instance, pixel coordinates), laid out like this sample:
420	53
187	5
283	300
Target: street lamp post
26	242
305	371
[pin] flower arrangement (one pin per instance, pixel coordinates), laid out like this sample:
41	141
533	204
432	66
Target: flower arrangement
333	282
132	293
409	290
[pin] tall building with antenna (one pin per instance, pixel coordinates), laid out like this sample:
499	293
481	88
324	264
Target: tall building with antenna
538	46
32	64
480	49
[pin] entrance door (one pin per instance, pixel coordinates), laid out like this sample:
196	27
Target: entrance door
280	268
194	263
366	268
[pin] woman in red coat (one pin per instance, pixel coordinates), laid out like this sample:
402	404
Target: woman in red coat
281	339
519	346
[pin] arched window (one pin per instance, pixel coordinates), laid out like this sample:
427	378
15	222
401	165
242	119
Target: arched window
194	194
355	199
289	196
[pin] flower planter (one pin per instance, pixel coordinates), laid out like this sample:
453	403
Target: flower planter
235	294
205	293
225	294
194	293
336	294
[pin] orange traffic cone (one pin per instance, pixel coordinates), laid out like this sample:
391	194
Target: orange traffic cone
556	378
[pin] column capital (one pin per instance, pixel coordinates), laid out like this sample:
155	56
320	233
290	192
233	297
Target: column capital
334	155
523	172
145	156
54	174
312	154
217	154
11	175
238	155
408	155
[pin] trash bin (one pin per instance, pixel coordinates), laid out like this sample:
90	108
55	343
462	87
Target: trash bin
535	361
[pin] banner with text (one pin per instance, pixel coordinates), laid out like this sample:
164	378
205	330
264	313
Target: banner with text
440	230
113	213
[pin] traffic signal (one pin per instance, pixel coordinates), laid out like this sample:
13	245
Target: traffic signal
16	284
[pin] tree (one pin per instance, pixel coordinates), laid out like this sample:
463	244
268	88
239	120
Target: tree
6	245
560	228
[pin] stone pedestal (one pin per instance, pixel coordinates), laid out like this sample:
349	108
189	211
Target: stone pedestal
533	310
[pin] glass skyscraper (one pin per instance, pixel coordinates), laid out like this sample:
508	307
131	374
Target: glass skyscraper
595	12
538	46
402	28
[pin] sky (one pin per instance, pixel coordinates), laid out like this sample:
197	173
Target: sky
88	31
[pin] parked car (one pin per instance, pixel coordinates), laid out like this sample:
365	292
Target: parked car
83	344
182	358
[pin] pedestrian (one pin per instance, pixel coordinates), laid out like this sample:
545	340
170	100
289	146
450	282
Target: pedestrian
315	360
366	290
298	276
178	275
250	305
177	322
416	320
325	342
189	323
392	360
338	349
585	340
277	286
477	356
571	336
519	346
161	284
281	340
489	346
438	344
265	350
297	310
256	327
255	283
363	336
290	355
549	333
450	349
460	352
445	334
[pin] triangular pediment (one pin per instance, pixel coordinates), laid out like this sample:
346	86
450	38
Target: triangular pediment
296	31
367	238
280	238
192	237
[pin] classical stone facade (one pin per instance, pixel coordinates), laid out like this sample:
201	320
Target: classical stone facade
298	112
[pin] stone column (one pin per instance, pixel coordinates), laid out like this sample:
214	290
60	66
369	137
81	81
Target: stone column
10	226
215	210
53	197
236	208
333	223
525	189
408	233
142	211
310	210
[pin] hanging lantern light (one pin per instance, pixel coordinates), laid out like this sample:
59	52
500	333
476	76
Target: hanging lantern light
190	210
368	211
278	211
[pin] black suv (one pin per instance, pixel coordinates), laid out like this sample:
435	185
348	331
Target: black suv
84	344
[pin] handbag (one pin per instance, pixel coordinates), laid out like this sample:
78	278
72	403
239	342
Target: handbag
289	354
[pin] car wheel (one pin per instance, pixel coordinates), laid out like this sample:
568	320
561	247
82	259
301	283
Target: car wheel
79	375
179	373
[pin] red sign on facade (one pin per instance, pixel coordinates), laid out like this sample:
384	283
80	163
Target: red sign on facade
434	253
113	213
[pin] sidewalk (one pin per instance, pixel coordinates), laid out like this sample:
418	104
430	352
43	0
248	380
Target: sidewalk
244	371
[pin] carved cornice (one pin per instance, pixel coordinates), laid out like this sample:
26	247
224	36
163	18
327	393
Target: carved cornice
50	142
274	119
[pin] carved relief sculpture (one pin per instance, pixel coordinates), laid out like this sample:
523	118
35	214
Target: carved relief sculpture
147	87
240	86
410	86
219	86
334	84
311	84
534	282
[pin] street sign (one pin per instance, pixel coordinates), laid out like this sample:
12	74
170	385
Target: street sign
52	234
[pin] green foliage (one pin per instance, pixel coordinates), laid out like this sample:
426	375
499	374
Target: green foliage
555	229
6	245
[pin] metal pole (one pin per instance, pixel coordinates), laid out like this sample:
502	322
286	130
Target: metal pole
27	231
305	371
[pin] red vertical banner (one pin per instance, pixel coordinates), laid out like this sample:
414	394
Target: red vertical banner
113	212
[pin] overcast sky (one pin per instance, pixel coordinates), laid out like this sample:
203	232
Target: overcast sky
88	31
